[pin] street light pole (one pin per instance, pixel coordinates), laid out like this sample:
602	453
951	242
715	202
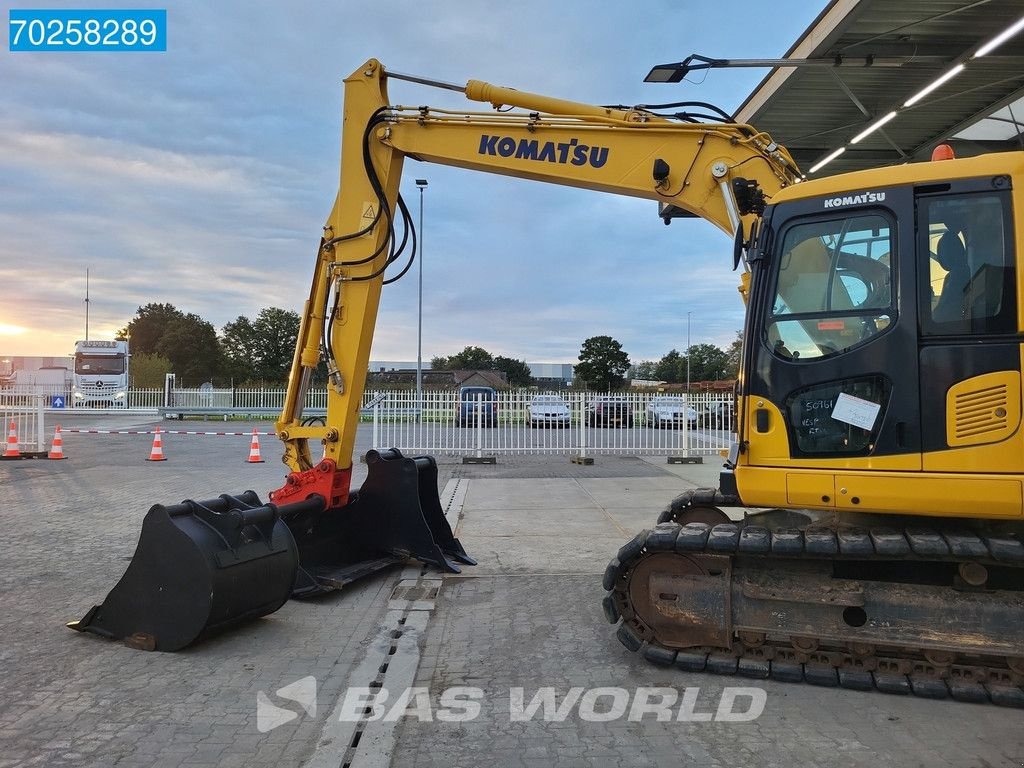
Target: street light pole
421	184
688	355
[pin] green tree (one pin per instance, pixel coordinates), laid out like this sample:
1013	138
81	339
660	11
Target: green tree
192	346
671	368
516	371
644	370
147	328
148	370
240	349
261	350
733	355
707	363
602	363
277	331
469	359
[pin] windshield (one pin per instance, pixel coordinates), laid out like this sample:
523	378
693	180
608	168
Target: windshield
99	365
833	286
548	400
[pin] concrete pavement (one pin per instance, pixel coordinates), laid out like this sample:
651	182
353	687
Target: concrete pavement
528	617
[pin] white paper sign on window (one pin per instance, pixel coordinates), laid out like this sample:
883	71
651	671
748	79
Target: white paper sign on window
856	411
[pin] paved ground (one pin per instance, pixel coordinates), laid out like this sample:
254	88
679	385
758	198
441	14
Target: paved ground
527	617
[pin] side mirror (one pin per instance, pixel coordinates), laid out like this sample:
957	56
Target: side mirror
739	244
737	247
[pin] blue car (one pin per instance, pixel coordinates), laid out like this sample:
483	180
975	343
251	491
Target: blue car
477	404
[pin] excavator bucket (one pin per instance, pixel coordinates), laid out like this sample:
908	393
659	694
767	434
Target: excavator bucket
199	567
395	514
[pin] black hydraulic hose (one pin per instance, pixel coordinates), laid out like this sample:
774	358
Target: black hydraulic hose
720	113
702	104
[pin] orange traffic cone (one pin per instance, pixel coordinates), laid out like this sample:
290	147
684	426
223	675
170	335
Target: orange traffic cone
12	451
254	449
157	452
57	451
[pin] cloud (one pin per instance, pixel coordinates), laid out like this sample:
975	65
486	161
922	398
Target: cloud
201	177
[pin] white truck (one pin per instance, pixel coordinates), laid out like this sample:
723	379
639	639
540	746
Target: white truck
101	374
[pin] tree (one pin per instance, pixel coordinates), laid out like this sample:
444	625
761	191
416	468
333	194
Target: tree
644	370
192	347
148	326
469	359
261	350
707	363
602	363
516	371
240	348
187	341
732	355
148	371
671	368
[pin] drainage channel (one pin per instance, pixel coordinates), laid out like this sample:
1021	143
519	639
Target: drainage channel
391	662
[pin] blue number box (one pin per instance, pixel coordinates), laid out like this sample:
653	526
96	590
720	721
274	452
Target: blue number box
80	29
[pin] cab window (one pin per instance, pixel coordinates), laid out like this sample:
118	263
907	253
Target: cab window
833	286
968	264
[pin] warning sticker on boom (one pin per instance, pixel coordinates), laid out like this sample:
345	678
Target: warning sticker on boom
369	214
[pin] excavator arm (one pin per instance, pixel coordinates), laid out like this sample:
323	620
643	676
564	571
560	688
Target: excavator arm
201	566
617	150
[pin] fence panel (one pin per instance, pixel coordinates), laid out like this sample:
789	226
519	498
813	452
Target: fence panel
27	413
629	423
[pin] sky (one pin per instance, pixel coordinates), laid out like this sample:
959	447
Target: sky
201	176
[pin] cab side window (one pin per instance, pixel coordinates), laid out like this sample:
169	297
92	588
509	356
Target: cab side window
967	264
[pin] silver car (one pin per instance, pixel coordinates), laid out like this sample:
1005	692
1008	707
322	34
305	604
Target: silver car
670	411
548	411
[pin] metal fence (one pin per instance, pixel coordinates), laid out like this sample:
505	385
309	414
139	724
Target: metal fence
26	412
257	398
644	423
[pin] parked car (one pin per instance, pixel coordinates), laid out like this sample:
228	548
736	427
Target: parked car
548	411
670	411
610	410
476	405
719	415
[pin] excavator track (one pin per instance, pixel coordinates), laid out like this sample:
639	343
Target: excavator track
931	610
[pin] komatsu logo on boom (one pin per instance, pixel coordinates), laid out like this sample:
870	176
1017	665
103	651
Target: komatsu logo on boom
571	152
861	199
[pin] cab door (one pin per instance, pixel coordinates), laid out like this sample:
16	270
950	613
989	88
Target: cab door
833	378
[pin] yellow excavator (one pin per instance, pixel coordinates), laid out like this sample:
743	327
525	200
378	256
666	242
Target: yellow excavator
879	409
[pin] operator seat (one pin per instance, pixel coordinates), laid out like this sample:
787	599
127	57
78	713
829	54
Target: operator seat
952	257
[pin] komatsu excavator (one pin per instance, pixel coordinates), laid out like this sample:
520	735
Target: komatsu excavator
879	409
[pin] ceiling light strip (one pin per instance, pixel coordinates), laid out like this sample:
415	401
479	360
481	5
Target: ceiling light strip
933	85
822	163
873	127
999	39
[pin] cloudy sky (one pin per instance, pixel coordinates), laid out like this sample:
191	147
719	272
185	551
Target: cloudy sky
201	176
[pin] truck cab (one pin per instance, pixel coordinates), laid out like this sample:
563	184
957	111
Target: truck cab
100	375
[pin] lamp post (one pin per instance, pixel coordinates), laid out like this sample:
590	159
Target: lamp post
688	355
421	185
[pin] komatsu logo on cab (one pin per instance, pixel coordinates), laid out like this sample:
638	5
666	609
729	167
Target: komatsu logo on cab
571	152
861	199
